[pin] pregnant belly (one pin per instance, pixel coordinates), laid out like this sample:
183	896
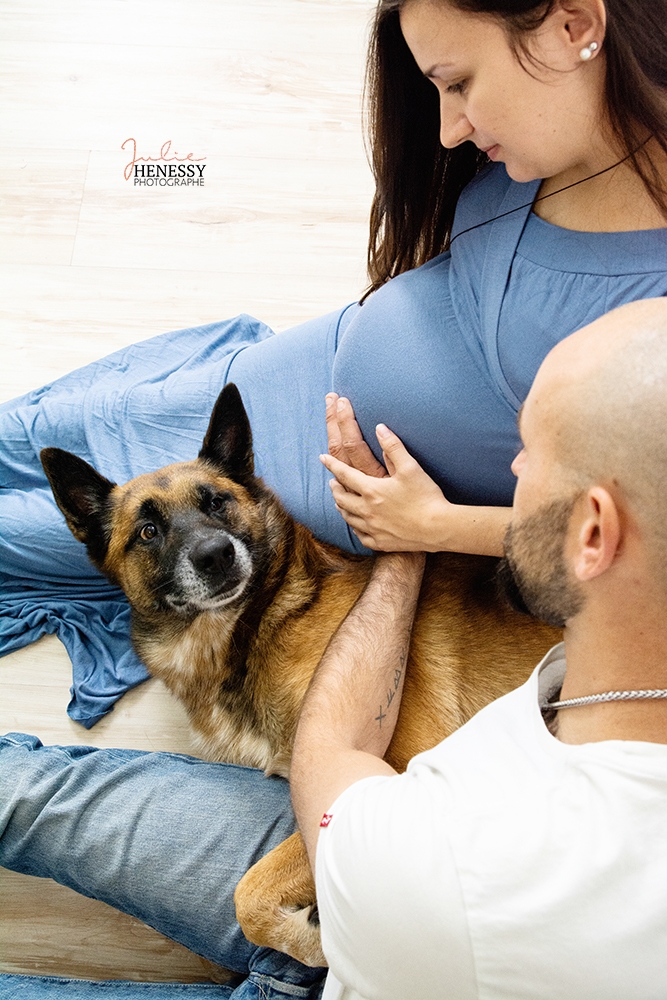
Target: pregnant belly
403	360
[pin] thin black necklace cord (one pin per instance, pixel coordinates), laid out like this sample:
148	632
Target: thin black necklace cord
529	204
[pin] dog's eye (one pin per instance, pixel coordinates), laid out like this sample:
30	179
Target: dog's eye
147	532
214	503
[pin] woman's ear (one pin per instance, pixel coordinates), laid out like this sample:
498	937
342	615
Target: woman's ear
580	23
598	535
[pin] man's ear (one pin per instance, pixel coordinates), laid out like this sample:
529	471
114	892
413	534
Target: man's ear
83	496
228	441
599	535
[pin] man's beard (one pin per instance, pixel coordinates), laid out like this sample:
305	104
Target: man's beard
533	575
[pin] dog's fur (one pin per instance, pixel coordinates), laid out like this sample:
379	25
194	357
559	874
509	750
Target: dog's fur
233	604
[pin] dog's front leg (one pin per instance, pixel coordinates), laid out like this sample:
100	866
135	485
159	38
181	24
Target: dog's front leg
275	903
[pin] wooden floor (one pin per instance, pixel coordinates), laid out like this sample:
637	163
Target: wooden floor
265	94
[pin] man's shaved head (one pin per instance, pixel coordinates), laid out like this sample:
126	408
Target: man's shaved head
601	395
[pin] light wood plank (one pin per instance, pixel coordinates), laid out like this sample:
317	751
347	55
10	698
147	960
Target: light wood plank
40	204
328	27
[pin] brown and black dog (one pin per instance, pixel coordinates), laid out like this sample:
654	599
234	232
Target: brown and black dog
233	604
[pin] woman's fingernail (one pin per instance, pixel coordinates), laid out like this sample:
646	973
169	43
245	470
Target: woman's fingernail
381	430
342	402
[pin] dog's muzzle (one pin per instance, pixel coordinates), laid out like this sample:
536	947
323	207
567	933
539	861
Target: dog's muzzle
213	557
212	572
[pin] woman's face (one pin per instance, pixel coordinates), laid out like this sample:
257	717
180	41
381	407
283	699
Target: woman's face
540	123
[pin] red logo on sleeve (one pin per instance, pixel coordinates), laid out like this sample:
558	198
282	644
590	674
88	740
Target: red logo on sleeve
326	819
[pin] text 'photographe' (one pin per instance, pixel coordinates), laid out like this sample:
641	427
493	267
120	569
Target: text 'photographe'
165	170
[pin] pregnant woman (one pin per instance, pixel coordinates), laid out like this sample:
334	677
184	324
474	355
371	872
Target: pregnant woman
520	153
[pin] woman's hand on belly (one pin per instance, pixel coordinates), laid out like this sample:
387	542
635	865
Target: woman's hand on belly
400	508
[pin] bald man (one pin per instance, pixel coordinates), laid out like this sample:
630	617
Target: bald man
526	855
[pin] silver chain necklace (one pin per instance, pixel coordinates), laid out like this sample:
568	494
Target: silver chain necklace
591	699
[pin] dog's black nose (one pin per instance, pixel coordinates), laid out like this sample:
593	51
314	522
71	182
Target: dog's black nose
213	556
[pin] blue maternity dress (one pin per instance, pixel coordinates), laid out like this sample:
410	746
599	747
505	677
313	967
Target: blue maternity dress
444	355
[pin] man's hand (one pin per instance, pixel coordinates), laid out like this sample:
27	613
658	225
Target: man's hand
345	440
394	509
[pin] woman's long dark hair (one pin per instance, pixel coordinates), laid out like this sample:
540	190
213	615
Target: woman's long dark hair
418	181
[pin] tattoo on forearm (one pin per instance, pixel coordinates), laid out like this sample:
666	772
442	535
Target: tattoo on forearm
391	694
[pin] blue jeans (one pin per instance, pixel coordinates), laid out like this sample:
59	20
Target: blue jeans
161	836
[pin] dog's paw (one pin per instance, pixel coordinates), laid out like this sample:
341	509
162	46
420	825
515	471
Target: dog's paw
298	931
275	903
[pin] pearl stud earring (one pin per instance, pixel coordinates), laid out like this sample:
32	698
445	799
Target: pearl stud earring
588	51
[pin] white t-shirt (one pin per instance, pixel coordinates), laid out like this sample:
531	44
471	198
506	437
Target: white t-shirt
502	864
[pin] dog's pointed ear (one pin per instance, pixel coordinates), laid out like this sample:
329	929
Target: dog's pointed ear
82	495
228	441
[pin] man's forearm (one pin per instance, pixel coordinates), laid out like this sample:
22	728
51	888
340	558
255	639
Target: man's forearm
356	690
350	710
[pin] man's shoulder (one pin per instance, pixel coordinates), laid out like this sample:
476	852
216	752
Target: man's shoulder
388	877
389	895
473	763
